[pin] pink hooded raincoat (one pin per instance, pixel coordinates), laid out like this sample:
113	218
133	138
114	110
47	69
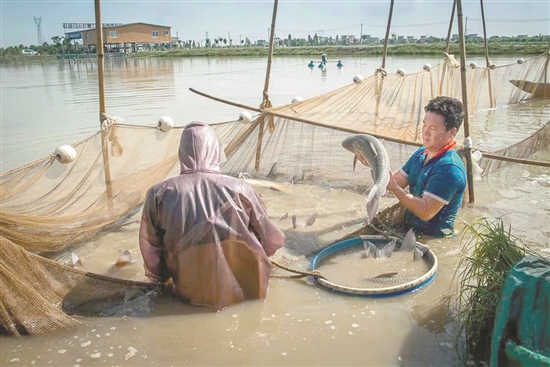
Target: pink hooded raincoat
207	231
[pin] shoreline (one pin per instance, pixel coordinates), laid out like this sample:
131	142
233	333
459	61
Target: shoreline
520	49
374	50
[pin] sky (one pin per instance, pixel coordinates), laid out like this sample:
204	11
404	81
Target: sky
190	20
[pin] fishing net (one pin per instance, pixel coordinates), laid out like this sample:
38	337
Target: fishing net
50	207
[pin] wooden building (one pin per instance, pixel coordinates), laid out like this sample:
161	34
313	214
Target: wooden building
130	37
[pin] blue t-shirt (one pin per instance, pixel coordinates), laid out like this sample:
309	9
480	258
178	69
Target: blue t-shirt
442	178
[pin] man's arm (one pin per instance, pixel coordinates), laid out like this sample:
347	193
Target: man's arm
150	244
424	208
402	180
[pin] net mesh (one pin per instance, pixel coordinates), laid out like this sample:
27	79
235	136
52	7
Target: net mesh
50	207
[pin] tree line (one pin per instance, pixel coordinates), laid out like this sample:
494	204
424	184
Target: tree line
63	45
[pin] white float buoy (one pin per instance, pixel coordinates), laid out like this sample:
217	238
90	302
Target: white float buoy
358	79
520	61
426	67
297	99
401	72
165	123
65	154
245	117
473	65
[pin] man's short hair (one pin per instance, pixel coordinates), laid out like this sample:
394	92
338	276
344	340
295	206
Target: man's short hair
450	108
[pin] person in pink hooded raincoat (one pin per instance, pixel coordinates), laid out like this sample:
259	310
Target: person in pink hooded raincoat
207	231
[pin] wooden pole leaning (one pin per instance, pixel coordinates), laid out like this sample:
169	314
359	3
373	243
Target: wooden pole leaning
381	72
265	98
102	105
447	45
467	150
487	62
387	36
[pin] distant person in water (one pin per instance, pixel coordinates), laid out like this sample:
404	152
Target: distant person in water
435	173
208	232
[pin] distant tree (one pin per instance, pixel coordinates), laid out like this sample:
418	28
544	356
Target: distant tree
225	41
336	40
247	41
309	40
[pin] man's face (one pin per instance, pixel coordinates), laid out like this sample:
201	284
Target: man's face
434	134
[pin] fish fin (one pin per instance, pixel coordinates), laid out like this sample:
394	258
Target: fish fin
372	203
311	219
273	171
373	148
388	249
124	258
354	162
367	249
417	254
294	224
284	216
75	260
409	241
373	250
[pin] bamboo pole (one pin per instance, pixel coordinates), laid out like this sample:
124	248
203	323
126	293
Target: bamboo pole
100	56
487	62
546	68
468	151
447	45
102	105
225	101
387	36
265	99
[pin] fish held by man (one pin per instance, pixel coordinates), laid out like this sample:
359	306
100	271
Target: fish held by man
370	151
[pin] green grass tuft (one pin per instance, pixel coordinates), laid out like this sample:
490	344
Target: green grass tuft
489	252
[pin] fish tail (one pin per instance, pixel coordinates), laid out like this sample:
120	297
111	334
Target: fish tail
373	201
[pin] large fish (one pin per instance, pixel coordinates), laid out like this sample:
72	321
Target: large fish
373	152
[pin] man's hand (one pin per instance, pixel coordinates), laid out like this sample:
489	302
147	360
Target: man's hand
392	184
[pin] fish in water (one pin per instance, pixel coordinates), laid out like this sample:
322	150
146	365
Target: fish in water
371	151
409	244
269	184
124	258
75	260
392	279
298	222
284	216
372	251
71	259
273	172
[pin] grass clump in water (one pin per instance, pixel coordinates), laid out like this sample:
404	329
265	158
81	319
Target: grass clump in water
489	252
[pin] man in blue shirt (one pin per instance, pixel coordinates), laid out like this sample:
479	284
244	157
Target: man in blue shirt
435	174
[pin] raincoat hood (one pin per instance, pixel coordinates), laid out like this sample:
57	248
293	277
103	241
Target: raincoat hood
200	149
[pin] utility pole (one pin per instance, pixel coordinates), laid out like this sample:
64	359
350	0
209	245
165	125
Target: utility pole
361	34
40	36
466	28
229	37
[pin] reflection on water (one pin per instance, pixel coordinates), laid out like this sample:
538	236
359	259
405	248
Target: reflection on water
46	105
